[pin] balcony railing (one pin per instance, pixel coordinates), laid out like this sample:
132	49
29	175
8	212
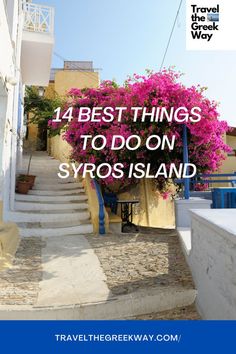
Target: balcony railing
38	18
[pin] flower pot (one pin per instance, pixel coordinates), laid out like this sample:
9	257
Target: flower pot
27	178
23	187
31	180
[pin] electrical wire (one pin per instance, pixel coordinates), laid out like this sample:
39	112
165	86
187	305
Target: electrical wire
171	34
90	75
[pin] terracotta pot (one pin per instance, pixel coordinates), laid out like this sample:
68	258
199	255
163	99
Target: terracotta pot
23	187
31	180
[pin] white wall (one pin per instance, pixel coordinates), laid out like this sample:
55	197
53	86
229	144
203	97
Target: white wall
11	66
5	145
3	108
7	70
6	57
212	262
10	78
183	207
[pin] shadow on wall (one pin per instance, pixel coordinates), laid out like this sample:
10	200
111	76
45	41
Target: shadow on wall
153	210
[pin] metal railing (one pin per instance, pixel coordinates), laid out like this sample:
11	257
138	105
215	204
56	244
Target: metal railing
101	208
205	178
212	178
38	18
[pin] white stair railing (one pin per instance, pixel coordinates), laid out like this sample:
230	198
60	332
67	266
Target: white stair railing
38	18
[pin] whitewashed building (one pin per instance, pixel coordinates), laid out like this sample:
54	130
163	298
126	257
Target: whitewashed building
26	46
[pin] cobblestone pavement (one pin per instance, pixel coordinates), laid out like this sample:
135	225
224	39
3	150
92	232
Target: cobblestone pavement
150	258
19	285
181	313
131	262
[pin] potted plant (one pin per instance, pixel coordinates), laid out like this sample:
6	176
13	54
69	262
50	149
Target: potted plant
29	147
30	178
22	185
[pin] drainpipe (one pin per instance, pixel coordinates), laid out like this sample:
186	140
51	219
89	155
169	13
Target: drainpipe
185	160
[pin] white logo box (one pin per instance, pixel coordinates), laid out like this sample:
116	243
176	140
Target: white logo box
225	37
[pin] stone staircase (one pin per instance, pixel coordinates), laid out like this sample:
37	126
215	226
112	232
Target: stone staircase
54	207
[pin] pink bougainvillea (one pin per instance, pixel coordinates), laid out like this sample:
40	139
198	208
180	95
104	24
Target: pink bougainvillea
163	89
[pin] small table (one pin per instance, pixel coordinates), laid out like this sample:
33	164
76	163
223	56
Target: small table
127	213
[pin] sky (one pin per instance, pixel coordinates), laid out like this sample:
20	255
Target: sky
123	37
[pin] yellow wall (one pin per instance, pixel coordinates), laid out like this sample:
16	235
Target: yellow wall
50	90
9	241
60	149
229	164
32	132
231	141
152	210
67	79
94	206
33	128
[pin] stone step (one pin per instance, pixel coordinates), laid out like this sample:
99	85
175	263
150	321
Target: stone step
56	186
40	165
53	211
35	206
61	231
55	206
46	169
56	193
46	173
18	216
42	162
142	302
51	199
51	224
49	180
37	159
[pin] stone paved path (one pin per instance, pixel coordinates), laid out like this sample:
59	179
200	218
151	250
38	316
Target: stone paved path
50	268
19	285
150	258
